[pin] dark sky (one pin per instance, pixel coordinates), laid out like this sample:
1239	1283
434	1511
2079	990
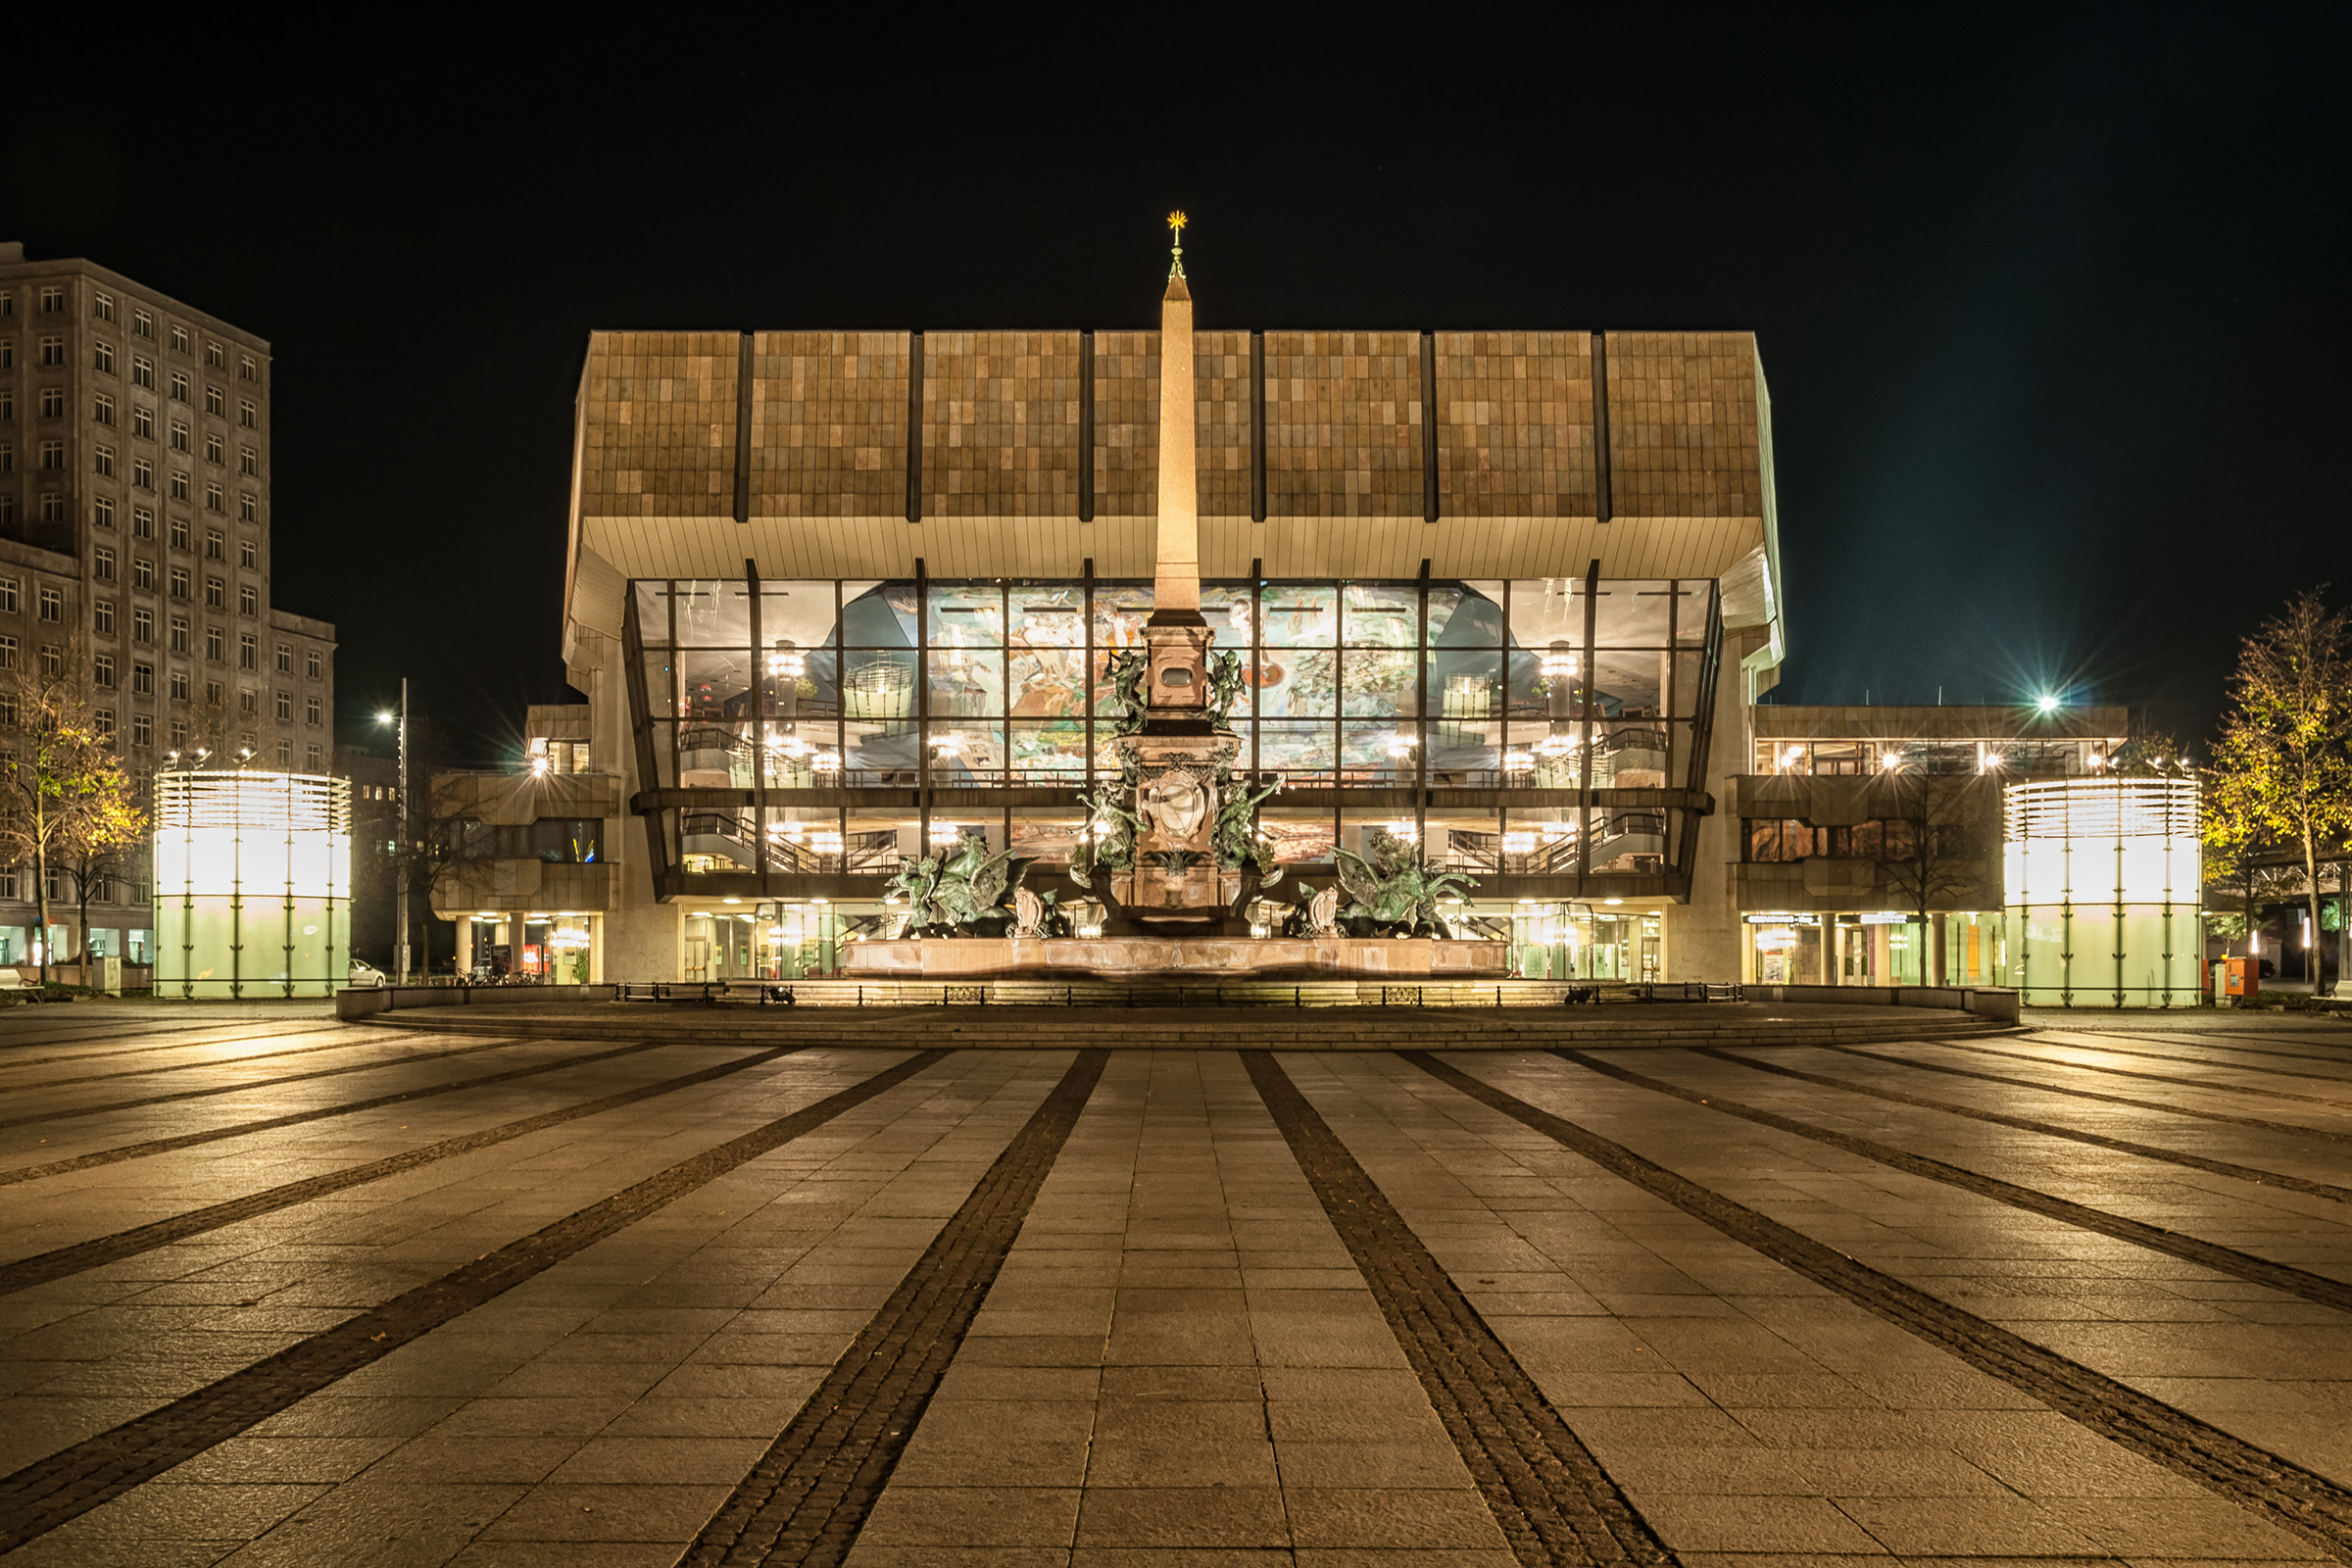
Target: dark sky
2053	309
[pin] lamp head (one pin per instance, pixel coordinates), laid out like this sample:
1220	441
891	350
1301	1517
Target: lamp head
2047	703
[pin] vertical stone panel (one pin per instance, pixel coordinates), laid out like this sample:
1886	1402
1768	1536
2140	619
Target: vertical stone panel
1342	424
828	425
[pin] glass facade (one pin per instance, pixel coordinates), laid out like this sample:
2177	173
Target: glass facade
823	729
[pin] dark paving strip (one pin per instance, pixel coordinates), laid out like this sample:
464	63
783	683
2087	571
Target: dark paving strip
43	1267
2188	1248
7	1065
1552	1499
2149	1077
198	1066
2255	1479
808	1495
2054	1035
68	1113
2219	1167
165	1146
2179	1060
2092	1093
46	1493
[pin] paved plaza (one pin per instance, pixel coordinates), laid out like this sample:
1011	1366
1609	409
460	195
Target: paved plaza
279	1290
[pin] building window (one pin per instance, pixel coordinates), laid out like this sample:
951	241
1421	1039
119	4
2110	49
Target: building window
179	386
317	661
53	351
249	702
141	324
102	357
249	510
8	511
311	709
53	403
53	661
142	422
180	488
8	396
247	415
102	409
180	340
214	545
285	658
53	454
285	756
212	498
213	644
142	731
249	651
213	696
8	458
142	372
247	371
7	347
142	574
249	462
215	401
102	618
215	353
102	462
285	704
182	582
143	625
142	680
106	731
142	522
180	735
179	634
8	653
52	507
179	685
249	554
53	300
142	477
179	435
102	564
102	512
102	306
214	450
179	534
249	599
102	669
8	594
53	604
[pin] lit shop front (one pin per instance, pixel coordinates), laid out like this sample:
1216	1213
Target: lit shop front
796	739
555	947
1871	948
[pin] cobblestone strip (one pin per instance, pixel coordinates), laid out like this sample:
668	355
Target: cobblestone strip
1548	1494
808	1495
2255	1479
2219	1167
43	1267
44	1495
118	1032
165	1146
2222	1260
2092	1093
69	1112
2045	1037
192	1066
2158	1077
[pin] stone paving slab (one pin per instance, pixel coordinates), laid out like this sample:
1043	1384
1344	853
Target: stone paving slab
1180	1359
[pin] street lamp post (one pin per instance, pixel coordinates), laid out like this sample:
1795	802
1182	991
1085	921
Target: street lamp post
400	793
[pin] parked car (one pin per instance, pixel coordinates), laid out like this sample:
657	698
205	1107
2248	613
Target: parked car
366	976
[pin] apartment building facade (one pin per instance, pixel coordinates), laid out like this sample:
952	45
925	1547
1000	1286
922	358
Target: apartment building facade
136	549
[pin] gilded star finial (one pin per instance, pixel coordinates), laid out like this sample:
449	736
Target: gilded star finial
1176	222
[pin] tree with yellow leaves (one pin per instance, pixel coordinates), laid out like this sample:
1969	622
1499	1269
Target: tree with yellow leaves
2281	772
63	795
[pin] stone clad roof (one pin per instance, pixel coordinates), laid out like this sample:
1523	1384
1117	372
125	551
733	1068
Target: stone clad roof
1000	425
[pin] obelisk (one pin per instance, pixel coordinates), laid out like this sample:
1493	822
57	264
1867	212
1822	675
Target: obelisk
1181	757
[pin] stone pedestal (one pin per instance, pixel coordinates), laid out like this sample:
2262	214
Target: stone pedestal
1202	957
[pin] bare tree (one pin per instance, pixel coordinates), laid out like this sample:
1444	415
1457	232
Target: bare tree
1932	840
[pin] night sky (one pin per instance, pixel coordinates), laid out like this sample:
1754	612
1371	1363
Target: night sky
2053	311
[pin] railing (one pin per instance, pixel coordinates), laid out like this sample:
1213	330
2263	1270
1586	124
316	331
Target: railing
1154	992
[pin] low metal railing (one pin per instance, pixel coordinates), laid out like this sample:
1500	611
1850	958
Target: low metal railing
1154	992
